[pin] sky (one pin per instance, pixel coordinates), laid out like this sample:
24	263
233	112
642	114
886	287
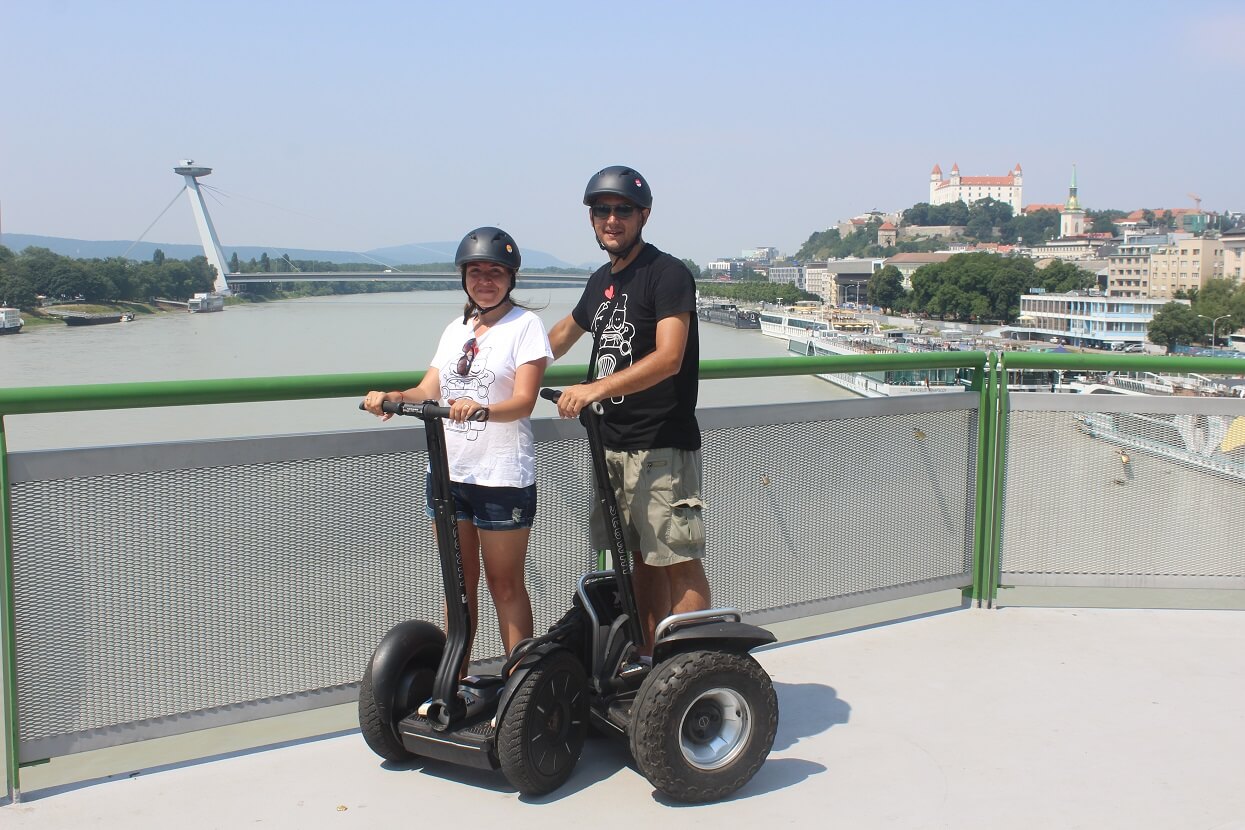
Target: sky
354	126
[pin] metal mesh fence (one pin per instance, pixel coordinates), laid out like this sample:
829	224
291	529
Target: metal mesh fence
1125	498
146	595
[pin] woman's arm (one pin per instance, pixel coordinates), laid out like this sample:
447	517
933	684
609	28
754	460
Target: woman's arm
527	378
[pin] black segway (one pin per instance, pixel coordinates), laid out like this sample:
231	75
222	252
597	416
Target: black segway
529	720
700	721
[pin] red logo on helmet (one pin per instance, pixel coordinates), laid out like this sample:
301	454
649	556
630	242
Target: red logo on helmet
639	183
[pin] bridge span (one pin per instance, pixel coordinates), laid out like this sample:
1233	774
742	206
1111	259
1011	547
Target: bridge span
389	276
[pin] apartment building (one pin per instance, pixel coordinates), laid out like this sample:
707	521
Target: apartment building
1128	268
1184	264
1234	255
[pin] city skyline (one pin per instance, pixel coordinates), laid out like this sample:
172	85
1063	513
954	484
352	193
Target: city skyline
386	125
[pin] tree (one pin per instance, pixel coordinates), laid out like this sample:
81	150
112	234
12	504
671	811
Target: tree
1175	324
1060	277
885	287
265	264
158	257
16	291
234	266
693	267
972	286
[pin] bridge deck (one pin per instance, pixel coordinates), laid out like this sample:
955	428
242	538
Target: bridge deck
1016	718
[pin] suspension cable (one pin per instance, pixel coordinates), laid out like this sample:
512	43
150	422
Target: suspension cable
153	223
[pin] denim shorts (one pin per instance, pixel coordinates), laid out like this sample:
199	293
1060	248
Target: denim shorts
488	508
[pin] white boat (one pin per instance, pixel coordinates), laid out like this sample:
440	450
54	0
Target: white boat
11	321
785	325
882	384
202	303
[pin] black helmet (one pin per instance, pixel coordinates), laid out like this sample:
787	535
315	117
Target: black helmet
619	181
488	245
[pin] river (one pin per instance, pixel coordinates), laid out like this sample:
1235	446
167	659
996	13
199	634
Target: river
311	336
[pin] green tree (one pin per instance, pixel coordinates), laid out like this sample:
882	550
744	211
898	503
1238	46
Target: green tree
977	286
158	257
265	264
1060	277
1103	221
234	266
885	287
1175	324
693	267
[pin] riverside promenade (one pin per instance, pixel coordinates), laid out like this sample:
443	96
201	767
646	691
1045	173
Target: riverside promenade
966	718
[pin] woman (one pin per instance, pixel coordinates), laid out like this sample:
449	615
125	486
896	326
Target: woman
492	359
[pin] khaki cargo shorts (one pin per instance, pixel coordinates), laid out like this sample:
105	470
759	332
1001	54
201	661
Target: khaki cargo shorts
659	504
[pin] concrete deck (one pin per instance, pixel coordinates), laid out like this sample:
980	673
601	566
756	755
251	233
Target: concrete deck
1013	718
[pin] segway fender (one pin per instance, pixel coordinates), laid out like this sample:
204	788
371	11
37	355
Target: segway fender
719	636
392	655
525	666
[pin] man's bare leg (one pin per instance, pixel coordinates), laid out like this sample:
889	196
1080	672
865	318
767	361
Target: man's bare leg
652	599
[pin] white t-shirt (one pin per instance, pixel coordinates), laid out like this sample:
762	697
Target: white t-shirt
490	453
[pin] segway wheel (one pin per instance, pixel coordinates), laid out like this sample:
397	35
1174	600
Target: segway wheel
542	731
399	677
702	724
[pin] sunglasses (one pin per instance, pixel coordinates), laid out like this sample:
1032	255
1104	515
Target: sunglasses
470	350
621	211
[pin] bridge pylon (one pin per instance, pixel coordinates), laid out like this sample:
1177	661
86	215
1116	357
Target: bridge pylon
207	234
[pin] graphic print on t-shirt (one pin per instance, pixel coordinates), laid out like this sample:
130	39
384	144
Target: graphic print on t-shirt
475	385
613	339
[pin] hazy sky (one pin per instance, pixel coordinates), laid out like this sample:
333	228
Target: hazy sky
366	124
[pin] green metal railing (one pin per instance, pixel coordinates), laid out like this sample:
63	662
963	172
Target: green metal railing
987	374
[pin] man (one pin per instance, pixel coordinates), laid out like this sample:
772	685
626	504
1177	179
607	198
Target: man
641	310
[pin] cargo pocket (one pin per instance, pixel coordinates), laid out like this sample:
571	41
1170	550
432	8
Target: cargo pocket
685	529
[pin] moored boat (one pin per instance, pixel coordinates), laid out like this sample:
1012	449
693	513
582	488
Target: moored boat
11	321
728	314
202	303
84	319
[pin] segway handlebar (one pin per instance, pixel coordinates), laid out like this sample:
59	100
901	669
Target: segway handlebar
425	410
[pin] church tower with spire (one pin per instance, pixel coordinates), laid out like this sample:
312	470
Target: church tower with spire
1072	217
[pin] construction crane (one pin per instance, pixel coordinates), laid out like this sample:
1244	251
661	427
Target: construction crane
1197	201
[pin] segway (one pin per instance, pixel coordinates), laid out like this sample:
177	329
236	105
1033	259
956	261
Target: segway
529	720
701	719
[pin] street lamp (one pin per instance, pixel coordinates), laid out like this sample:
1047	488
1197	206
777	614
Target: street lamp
1213	325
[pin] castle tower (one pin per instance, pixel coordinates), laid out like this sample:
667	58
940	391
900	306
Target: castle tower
1072	217
207	233
935	178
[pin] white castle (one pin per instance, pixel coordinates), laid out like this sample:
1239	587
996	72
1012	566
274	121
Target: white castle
969	189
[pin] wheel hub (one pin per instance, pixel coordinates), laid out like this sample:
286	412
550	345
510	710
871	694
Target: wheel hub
715	728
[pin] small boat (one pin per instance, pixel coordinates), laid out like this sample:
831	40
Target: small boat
11	321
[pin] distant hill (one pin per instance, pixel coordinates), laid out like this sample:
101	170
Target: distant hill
415	253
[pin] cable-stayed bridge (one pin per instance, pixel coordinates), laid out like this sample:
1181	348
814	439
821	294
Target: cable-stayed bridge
224	279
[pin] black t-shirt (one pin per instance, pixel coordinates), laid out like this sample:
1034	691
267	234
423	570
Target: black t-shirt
653	287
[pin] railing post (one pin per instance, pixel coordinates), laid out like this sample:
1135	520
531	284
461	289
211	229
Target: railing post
983	381
8	633
997	475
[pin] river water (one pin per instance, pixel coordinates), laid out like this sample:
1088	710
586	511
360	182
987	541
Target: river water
312	336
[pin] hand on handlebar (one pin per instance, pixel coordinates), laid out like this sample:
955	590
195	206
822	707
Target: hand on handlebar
465	409
574	398
372	403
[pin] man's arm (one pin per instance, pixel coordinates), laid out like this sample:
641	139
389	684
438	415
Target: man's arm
565	333
650	370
